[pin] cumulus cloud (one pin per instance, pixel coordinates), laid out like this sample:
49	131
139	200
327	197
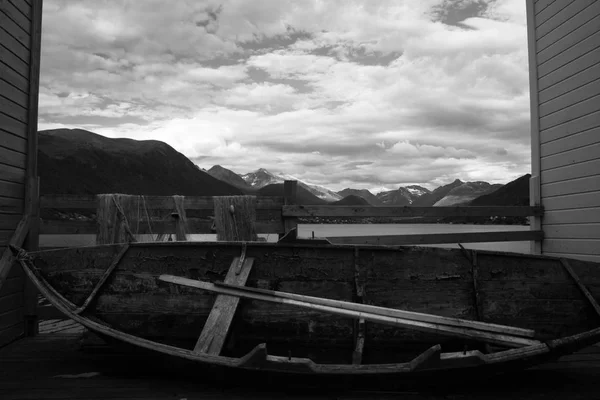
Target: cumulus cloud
365	94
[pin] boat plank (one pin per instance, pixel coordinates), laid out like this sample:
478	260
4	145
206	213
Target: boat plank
216	328
503	339
580	285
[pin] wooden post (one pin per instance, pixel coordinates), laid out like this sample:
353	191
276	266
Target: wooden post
32	243
290	192
235	218
180	219
32	198
534	182
113	226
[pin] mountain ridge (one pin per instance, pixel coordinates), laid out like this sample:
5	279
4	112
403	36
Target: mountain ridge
76	161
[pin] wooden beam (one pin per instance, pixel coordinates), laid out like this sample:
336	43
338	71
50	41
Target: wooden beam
392	211
217	325
32	243
359	326
534	106
345	309
435	238
581	286
290	222
103	279
193	225
235	218
67	201
17	239
390	312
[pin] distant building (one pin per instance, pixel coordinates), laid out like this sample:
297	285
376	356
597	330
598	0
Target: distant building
564	65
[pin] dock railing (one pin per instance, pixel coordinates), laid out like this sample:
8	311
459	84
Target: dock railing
281	215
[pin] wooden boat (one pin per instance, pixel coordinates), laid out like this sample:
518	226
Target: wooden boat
324	309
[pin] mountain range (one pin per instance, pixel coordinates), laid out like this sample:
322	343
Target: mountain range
453	194
82	162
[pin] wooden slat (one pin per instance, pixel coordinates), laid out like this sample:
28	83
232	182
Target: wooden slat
392	211
571	112
578	246
219	320
572	127
581	286
541	4
570	55
12	28
572	142
115	262
15	80
11	333
556	14
573	201
11	85
572	231
388	312
13	126
9	221
23	6
574	186
547	14
578	65
11	302
11	189
583	257
571	98
151	202
578	216
12	109
582	154
14	45
572	82
11	157
11	318
438	238
506	340
580	170
11	174
8	8
568	30
14	62
193	225
11	205
12	142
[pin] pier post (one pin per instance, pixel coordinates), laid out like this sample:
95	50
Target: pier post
235	218
290	224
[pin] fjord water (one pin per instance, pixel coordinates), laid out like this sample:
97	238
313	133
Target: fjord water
325	230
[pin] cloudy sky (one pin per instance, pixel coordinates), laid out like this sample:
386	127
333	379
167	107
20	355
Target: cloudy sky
365	94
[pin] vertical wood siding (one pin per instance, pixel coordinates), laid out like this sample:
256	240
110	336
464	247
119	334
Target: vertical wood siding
15	120
566	55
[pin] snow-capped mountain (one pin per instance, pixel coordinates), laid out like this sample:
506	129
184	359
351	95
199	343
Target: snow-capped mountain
403	196
261	178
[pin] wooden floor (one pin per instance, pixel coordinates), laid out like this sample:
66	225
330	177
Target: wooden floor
64	363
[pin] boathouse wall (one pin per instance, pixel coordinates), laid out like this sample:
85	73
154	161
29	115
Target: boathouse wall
20	37
564	66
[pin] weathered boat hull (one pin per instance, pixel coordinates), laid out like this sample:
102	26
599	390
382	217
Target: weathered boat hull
134	306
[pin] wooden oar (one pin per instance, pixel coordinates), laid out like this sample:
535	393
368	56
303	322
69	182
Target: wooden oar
390	312
467	333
